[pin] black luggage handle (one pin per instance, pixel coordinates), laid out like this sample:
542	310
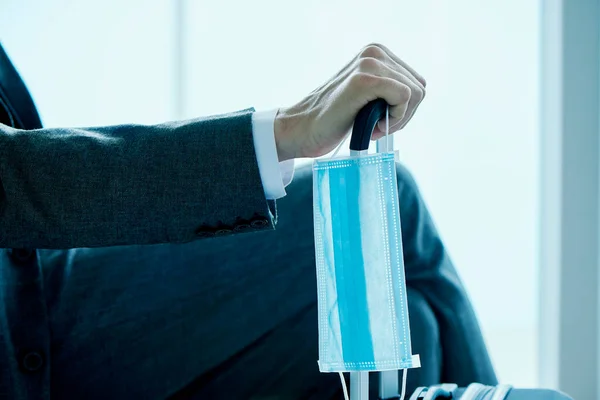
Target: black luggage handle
365	122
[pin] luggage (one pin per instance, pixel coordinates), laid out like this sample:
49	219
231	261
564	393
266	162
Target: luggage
477	391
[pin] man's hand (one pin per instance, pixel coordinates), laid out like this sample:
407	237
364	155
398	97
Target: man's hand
316	125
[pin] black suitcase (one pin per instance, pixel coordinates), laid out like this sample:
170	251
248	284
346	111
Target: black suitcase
476	391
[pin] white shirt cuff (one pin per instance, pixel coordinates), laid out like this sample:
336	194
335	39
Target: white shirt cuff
275	175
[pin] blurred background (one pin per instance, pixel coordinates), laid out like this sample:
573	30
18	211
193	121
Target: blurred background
474	146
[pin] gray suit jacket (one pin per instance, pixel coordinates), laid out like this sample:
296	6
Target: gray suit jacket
100	187
129	184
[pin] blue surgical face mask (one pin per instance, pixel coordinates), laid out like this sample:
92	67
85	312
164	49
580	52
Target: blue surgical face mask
362	305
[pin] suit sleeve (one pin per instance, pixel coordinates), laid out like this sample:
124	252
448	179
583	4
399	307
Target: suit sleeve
130	184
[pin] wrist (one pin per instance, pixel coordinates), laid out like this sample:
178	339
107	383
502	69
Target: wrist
284	140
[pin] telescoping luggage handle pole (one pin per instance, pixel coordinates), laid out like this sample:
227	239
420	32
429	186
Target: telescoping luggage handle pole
388	380
364	124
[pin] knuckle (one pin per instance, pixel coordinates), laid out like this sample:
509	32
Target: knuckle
372	50
368	64
418	93
361	80
405	93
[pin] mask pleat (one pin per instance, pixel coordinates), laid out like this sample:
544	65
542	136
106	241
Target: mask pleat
349	272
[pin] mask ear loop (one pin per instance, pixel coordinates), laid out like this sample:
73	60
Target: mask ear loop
387	128
403	393
344	387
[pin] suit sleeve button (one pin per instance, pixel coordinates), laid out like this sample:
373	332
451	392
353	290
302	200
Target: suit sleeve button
241	227
222	232
259	223
204	232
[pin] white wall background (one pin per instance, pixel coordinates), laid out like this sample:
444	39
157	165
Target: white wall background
93	62
473	146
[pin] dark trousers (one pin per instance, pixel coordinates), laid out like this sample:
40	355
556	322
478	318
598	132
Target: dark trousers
235	318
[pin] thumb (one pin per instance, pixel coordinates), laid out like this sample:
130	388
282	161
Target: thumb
382	124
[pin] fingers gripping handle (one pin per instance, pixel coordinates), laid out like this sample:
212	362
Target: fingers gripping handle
365	122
